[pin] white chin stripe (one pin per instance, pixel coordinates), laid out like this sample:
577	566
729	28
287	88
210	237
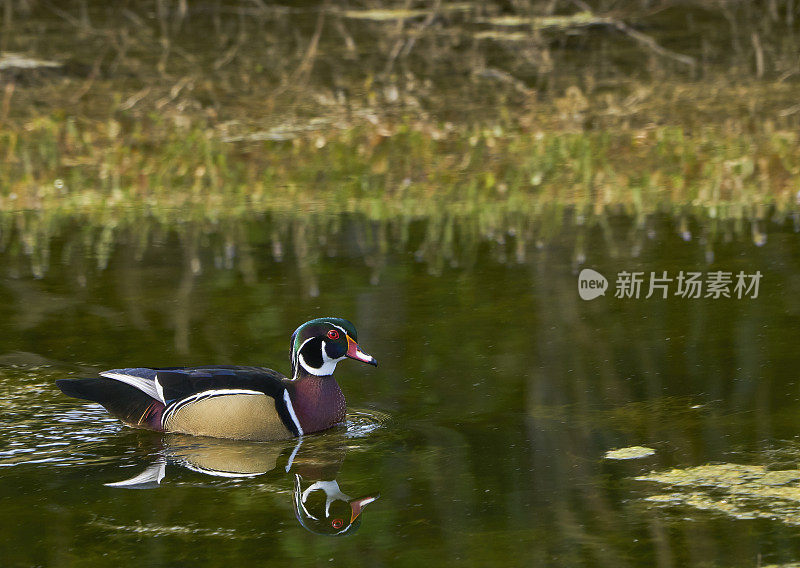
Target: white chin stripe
328	364
328	367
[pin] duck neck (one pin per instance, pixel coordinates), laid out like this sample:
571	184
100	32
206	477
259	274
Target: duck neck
318	401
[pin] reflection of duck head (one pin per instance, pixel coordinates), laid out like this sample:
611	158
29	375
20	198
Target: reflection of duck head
322	508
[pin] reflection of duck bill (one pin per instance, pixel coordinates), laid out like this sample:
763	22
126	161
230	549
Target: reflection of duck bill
357	505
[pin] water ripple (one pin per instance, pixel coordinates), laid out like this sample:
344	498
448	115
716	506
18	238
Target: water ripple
39	426
363	422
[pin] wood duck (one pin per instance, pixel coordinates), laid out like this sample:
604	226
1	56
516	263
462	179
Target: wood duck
245	403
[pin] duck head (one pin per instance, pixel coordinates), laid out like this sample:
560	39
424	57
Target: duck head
318	345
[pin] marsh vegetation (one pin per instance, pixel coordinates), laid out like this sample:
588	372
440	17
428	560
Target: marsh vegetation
399	109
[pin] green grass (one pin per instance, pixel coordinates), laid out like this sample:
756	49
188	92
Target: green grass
401	168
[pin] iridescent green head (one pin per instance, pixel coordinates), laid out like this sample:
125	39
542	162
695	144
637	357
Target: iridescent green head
319	344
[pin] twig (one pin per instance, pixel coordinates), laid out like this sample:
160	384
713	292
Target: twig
174	92
582	5
398	45
427	22
644	39
7	94
754	37
308	58
90	79
349	42
83	26
131	101
651	44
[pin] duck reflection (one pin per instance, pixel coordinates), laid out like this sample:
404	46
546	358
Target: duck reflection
320	505
342	514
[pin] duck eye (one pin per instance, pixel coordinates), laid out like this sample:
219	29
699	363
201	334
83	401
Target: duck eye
333	334
337	523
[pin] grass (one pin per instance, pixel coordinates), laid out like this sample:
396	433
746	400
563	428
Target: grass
202	115
398	168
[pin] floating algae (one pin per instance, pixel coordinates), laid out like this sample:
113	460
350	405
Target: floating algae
739	491
631	453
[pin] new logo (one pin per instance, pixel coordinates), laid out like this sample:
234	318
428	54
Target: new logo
591	284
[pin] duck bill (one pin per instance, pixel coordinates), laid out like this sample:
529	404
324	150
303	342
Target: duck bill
354	352
357	505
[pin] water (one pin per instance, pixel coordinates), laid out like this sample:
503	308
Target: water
482	433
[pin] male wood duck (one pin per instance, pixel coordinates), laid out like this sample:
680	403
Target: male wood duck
245	403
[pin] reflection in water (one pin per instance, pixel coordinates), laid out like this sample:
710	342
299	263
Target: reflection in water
320	506
506	387
31	242
340	515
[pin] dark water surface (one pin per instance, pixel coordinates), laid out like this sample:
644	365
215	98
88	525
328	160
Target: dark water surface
483	430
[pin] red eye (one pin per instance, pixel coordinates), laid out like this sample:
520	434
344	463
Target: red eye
337	523
333	334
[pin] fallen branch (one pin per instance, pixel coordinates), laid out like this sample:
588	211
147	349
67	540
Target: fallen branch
653	45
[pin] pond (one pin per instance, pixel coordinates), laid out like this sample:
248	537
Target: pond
482	437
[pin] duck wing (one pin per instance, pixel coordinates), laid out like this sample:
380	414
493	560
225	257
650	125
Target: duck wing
175	383
130	400
249	403
141	378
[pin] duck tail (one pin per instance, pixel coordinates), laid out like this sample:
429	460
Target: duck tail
121	400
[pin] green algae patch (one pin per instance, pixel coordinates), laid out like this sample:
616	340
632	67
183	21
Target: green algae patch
739	491
631	453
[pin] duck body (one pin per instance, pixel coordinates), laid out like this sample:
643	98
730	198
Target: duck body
246	403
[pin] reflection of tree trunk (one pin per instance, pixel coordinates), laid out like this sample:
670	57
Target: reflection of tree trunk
183	300
306	250
446	466
373	246
130	283
244	253
568	387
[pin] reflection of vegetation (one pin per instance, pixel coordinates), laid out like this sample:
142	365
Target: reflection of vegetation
31	242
